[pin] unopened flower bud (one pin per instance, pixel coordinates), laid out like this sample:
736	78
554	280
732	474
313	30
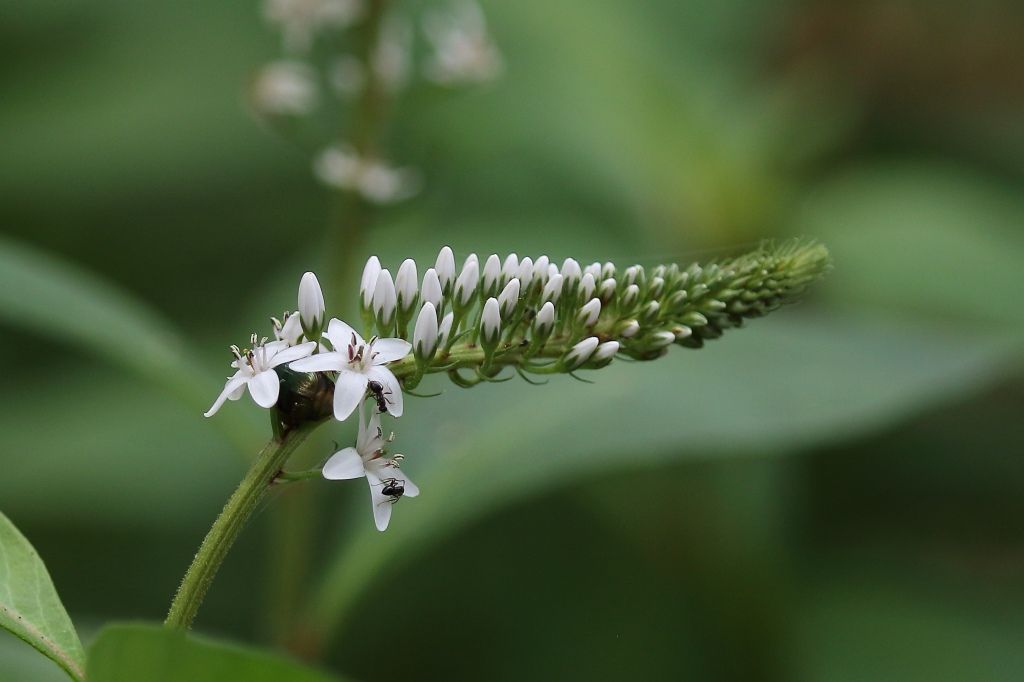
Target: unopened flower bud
490	323
509	268
681	332
657	286
445	269
630	329
588	314
369	281
608	270
425	334
552	270
571	272
508	299
649	313
491	274
604	353
465	285
662	339
384	301
553	289
311	306
630	296
430	291
594	270
525	273
444	330
606	292
545	321
632	274
405	285
581	352
676	300
540	269
587	286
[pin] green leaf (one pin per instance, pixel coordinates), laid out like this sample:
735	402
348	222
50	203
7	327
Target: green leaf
29	605
788	383
136	652
58	299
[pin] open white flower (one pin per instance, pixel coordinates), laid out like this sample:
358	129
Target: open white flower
357	363
256	370
368	459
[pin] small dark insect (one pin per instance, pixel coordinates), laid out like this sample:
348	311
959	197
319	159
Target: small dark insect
393	488
379	395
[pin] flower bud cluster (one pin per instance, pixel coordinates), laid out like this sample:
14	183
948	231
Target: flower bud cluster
543	318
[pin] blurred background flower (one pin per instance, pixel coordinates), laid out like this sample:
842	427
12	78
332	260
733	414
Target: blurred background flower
832	494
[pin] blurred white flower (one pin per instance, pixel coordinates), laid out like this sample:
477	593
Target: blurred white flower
341	168
300	20
463	52
391	56
256	371
388	483
285	88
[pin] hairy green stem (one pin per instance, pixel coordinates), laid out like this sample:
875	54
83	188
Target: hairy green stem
229	524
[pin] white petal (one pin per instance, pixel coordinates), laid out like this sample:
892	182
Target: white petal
340	334
381	506
392	389
321	362
369	440
389	350
411	489
232	386
264	388
349	390
294	353
344	465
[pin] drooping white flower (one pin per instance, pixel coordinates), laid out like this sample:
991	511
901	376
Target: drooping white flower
255	370
581	352
424	336
463	50
358	362
368	459
508	299
300	20
445	266
430	290
311	305
285	88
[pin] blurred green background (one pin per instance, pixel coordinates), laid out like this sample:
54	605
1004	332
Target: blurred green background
835	493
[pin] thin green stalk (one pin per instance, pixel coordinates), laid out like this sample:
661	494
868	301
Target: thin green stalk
229	524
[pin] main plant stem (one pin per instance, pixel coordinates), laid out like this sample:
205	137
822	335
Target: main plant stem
229	524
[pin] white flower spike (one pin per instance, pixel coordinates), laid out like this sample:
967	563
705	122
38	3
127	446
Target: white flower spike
256	371
358	362
368	459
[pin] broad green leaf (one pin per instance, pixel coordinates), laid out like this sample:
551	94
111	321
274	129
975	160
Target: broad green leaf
930	239
787	383
44	294
29	605
137	652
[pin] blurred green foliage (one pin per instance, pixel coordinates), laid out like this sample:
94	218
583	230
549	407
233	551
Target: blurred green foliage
831	494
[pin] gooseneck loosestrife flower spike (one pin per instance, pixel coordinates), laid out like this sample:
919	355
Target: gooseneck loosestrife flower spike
525	316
